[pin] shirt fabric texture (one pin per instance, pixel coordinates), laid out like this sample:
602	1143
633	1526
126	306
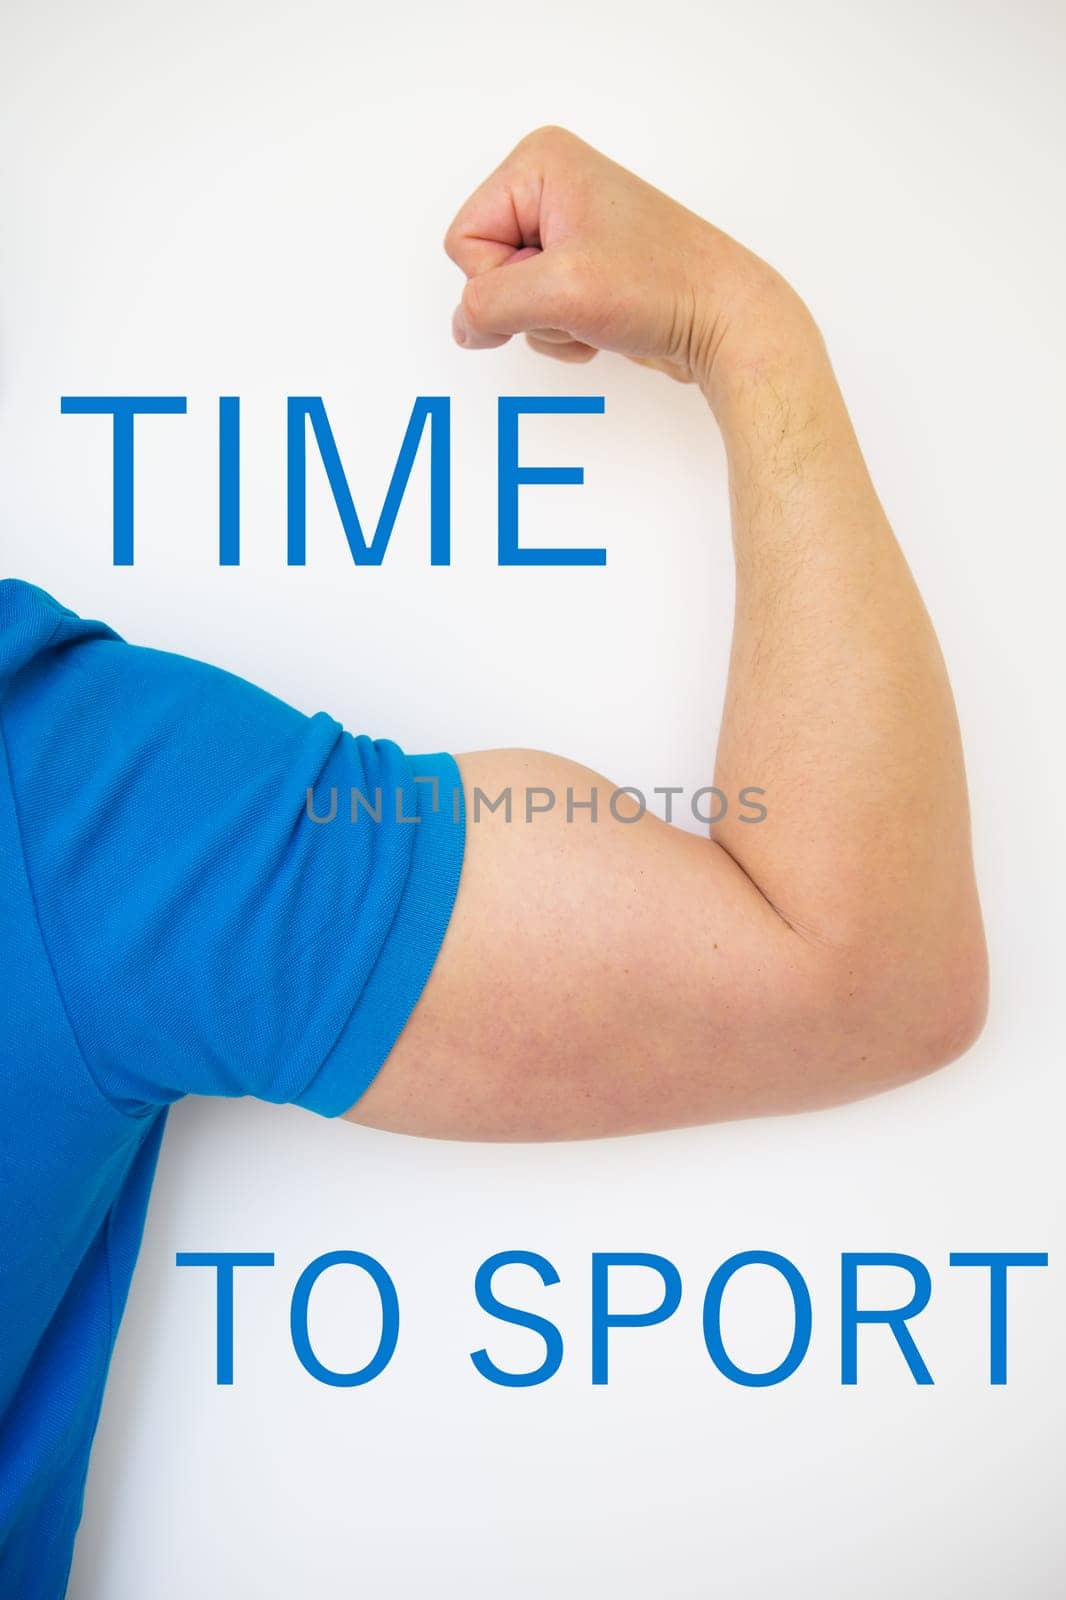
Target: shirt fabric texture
173	920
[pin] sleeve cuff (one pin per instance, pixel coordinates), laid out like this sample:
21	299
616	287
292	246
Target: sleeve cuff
399	975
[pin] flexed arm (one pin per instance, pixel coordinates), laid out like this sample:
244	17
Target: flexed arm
623	975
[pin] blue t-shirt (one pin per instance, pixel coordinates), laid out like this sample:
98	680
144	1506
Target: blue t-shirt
182	911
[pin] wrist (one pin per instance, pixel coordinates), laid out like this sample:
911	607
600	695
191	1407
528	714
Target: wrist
750	327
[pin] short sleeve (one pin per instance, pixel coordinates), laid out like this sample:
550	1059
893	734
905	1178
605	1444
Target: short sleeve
235	898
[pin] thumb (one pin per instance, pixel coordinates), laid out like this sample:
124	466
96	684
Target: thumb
527	292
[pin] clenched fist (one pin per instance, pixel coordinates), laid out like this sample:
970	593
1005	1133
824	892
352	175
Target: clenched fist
566	246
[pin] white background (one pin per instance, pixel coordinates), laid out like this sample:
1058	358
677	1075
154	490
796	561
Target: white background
248	199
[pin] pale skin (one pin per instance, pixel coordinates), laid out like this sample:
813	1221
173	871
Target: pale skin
629	976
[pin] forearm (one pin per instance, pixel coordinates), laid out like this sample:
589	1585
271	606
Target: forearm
837	704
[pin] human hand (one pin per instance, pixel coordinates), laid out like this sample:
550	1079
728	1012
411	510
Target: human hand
564	245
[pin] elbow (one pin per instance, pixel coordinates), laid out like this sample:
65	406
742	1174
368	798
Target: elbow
903	1015
948	1014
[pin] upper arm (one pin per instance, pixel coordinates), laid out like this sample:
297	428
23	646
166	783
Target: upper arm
609	976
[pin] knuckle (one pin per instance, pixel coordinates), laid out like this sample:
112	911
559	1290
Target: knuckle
573	286
550	136
452	239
